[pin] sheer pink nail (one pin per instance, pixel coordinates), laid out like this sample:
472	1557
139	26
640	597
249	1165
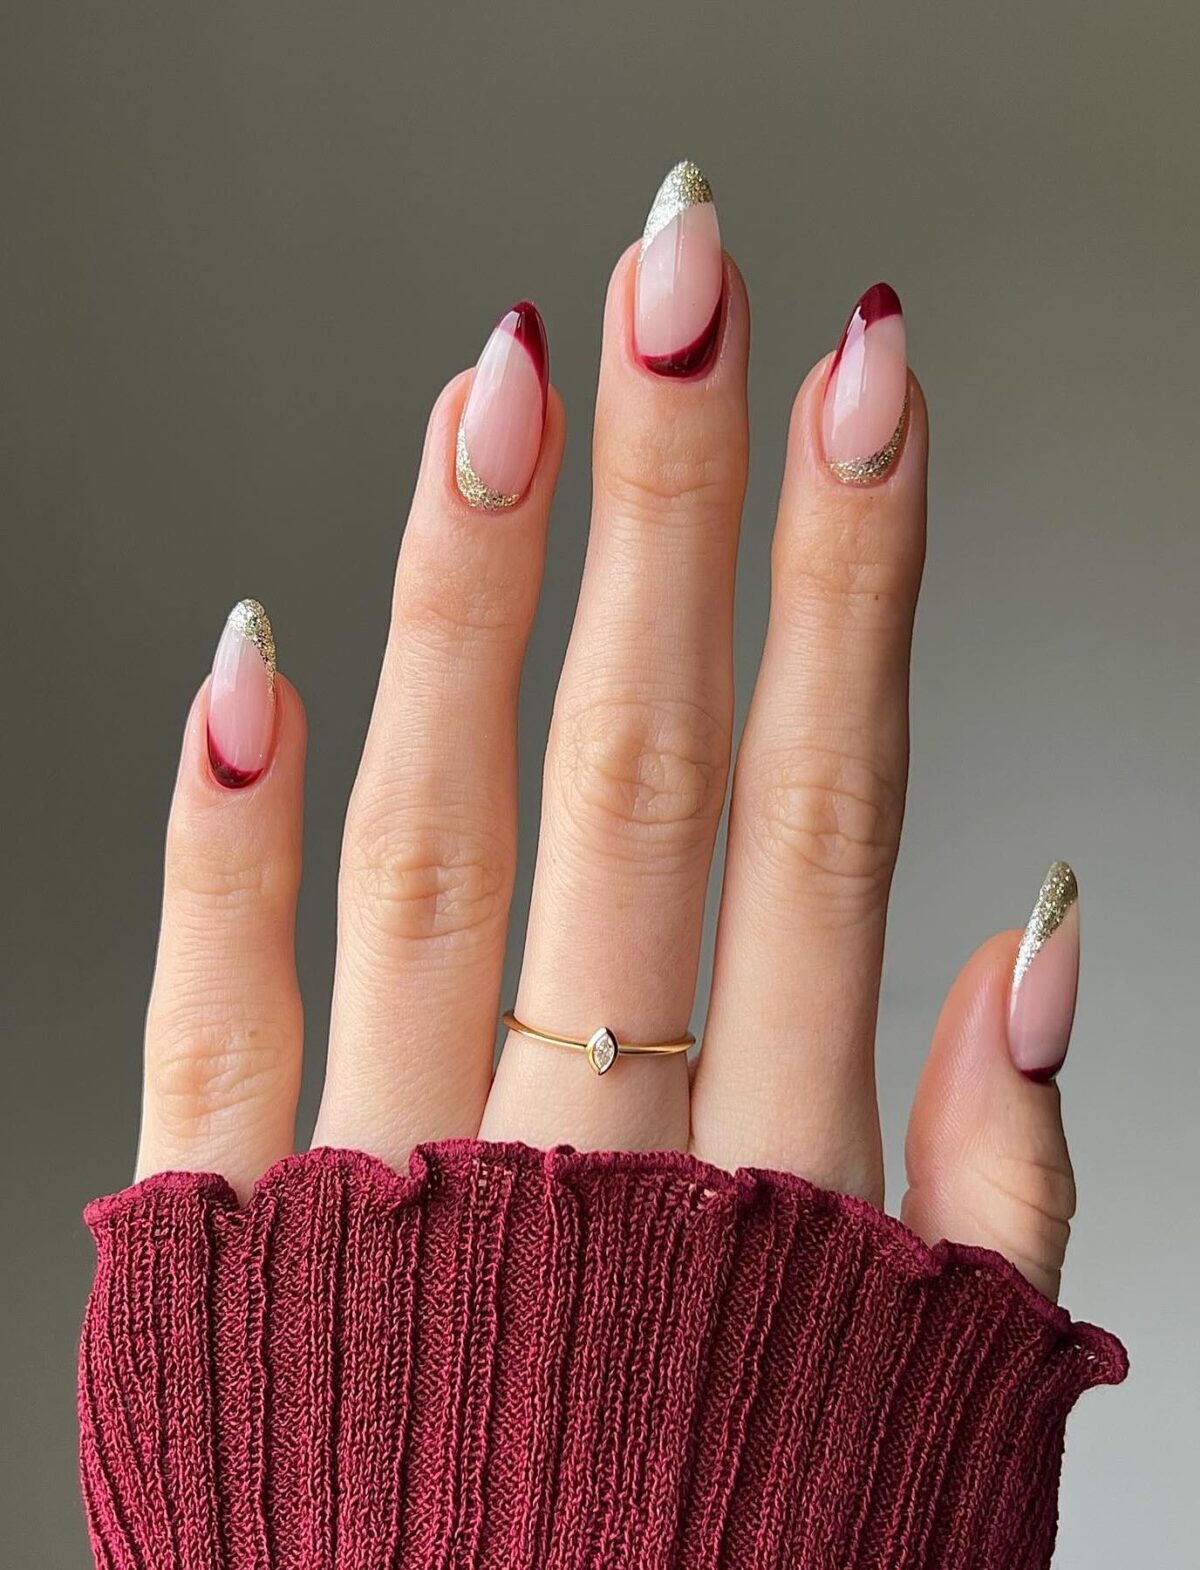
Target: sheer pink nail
866	396
500	433
1046	978
241	697
680	277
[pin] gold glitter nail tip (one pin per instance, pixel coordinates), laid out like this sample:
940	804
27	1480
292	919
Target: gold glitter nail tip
685	186
1059	893
249	619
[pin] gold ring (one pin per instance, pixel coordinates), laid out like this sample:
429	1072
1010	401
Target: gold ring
602	1049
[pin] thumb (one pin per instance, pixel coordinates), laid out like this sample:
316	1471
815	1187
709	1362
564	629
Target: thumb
986	1154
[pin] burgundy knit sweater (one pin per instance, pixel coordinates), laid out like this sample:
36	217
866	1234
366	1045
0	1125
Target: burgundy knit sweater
510	1358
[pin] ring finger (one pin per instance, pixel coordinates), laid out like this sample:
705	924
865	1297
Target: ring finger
638	752
819	787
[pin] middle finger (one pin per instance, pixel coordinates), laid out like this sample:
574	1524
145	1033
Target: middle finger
639	746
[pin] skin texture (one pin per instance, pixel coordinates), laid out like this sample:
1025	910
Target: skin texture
637	766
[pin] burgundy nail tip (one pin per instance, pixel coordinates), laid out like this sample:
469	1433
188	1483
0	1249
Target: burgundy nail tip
1044	1076
694	358
880	300
524	321
224	772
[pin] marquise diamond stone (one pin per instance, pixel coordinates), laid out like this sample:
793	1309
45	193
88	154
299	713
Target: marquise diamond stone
602	1049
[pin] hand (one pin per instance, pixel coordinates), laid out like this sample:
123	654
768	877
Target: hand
634	785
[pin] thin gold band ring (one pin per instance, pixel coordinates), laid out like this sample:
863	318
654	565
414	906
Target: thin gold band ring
601	1048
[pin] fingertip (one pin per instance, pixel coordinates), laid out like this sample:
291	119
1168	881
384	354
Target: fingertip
447	410
291	721
735	325
288	746
556	414
441	477
553	439
735	286
256	819
969	1048
986	1155
918	413
618	298
806	444
976	1005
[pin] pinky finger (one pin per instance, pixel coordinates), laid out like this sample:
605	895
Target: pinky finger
224	1026
986	1154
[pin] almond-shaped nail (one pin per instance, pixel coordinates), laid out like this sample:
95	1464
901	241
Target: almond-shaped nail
500	433
866	396
241	697
1046	978
680	277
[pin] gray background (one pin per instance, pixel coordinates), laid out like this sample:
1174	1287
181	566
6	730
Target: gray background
244	246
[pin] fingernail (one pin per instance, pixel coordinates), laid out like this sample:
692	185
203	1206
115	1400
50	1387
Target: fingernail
866	396
1046	978
680	277
500	433
241	697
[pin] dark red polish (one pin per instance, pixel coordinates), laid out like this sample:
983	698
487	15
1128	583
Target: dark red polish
879	301
225	773
695	358
1044	1076
524	322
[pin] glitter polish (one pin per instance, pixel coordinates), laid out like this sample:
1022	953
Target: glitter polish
241	697
680	277
1046	978
500	432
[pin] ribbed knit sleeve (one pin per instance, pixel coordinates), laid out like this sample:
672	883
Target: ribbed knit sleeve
510	1358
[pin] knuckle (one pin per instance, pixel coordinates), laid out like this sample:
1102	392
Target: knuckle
1024	1206
654	476
426	885
653	770
1041	1184
202	876
843	569
447	602
200	1075
828	816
